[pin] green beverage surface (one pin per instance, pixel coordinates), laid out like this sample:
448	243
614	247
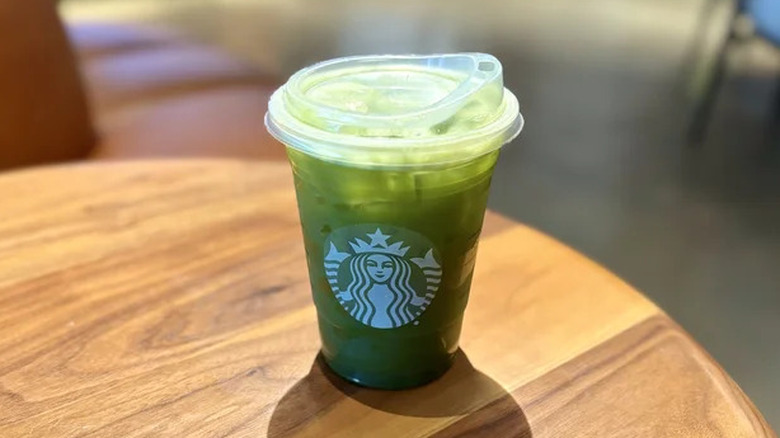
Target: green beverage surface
433	216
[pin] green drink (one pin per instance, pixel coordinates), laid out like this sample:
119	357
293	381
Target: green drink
392	158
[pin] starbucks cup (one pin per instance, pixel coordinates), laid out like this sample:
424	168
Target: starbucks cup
392	158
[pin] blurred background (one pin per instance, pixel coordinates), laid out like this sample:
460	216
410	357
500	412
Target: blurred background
652	142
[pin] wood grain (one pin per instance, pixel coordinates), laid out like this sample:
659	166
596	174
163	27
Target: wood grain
171	299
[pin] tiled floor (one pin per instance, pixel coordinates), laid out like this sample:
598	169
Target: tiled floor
602	164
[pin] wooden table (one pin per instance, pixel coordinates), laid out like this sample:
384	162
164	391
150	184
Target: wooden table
171	299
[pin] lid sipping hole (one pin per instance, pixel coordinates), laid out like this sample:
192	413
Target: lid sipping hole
486	66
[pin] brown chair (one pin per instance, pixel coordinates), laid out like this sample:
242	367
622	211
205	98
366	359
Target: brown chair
102	91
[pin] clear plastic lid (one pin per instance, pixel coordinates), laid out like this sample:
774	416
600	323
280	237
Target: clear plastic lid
397	111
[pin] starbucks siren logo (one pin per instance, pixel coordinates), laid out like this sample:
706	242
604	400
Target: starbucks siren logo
379	283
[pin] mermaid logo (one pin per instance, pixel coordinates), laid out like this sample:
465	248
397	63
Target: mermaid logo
378	282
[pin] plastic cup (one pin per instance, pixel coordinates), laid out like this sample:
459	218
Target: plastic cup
392	158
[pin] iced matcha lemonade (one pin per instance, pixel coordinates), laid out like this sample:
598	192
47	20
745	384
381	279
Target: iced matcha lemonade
392	158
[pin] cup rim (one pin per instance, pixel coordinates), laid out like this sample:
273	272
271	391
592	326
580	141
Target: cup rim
344	148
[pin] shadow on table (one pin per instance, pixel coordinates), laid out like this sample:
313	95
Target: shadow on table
323	404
